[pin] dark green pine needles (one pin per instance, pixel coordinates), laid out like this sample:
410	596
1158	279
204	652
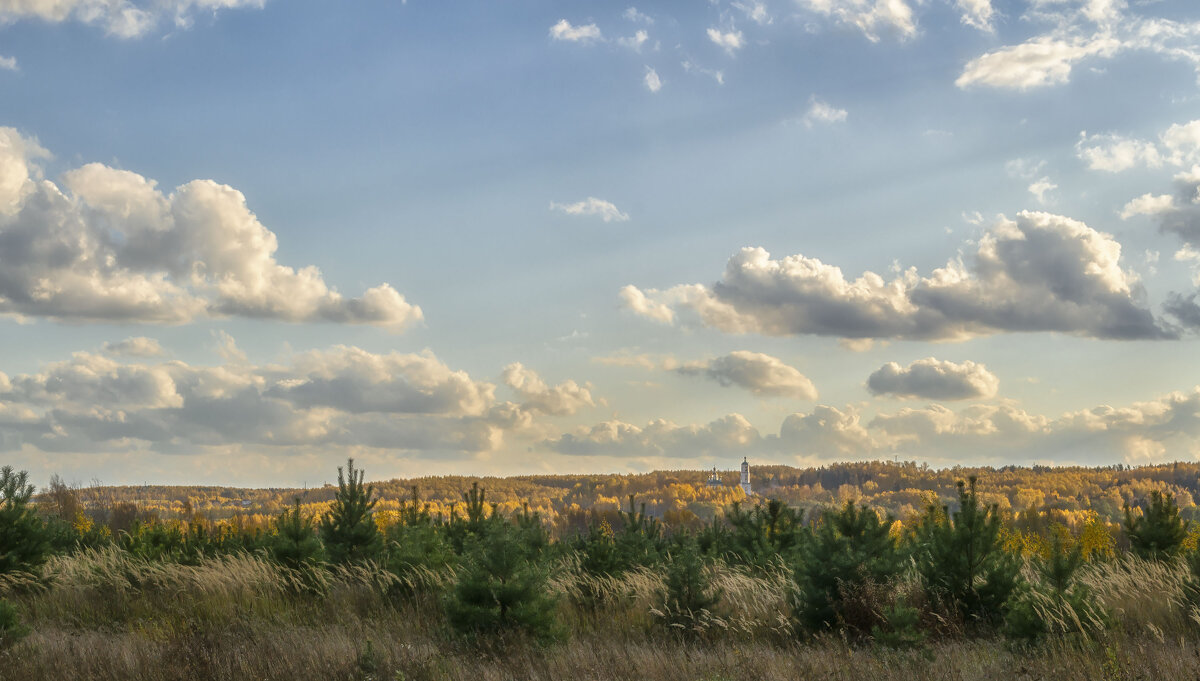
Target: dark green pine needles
348	529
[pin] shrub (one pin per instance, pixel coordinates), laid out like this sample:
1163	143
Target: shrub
961	561
11	629
843	564
765	534
501	589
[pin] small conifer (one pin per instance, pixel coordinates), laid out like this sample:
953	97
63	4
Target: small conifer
348	529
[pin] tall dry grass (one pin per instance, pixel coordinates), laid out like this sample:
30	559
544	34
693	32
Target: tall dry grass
106	615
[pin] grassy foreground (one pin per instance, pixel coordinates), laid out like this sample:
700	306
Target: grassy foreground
102	614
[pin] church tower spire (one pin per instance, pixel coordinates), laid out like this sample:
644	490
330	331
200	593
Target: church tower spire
746	477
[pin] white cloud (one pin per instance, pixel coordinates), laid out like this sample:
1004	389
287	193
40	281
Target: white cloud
1039	272
755	11
635	41
731	41
872	17
977	13
653	83
137	346
108	245
934	379
1040	188
119	18
1148	204
1113	153
1079	31
760	374
325	400
586	33
8	63
979	434
690	67
605	210
1040	62
227	349
820	112
632	14
563	399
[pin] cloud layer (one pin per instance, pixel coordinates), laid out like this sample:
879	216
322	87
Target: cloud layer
108	245
997	433
339	397
1039	272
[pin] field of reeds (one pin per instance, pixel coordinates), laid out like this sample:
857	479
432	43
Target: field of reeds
104	614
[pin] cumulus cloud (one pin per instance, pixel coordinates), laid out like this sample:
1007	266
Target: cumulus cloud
821	112
654	84
1078	32
586	33
934	379
660	438
326	399
563	399
977	13
760	374
1039	272
8	63
119	18
731	41
137	346
632	14
1178	145
1148	204
982	433
1041	62
1113	153
590	206
108	245
873	17
755	11
635	41
1040	188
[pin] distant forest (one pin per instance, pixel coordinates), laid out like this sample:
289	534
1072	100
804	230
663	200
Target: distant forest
1073	496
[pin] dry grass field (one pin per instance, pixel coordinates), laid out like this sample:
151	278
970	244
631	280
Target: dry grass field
102	615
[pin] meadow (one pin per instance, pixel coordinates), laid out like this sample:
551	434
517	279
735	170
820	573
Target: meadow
956	592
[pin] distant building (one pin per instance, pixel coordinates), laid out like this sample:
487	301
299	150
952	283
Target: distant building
714	480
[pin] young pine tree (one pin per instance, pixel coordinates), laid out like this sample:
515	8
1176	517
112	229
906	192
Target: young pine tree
1059	604
688	596
1159	532
348	529
24	543
295	544
501	590
849	558
415	546
960	558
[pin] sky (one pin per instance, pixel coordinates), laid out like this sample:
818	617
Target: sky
244	240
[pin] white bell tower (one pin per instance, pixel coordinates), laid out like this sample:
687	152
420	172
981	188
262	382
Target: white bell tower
746	477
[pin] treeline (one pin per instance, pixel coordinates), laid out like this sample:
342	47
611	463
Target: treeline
963	568
1075	496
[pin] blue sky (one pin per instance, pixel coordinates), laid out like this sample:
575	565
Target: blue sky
242	240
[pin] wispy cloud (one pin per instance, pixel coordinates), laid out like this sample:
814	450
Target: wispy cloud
592	206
